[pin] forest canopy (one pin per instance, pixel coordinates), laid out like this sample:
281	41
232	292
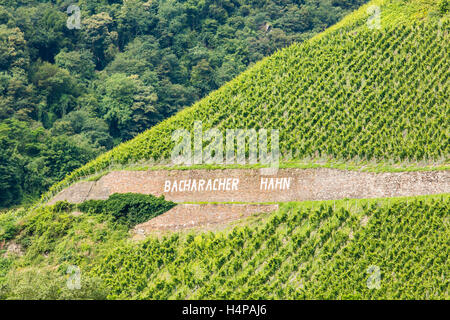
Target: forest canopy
69	94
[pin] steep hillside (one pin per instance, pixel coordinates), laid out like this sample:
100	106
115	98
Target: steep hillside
79	77
323	253
351	92
364	249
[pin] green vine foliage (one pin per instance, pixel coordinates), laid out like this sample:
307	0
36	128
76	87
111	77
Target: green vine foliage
321	253
352	92
129	209
349	249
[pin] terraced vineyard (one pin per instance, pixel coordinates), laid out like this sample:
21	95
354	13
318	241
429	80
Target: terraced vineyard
319	253
352	92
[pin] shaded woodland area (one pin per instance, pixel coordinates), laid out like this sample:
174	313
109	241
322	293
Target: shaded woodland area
67	95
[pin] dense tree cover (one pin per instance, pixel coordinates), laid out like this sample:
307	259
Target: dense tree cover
130	65
33	158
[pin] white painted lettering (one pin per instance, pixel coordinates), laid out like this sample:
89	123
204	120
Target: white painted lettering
234	185
167	186
228	184
201	184
209	185
174	187
263	183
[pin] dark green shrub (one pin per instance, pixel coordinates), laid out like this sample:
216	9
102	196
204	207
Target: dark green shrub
63	206
444	6
94	206
8	228
129	208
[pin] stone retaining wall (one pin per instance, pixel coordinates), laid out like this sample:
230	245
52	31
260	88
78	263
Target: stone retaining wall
249	185
186	216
